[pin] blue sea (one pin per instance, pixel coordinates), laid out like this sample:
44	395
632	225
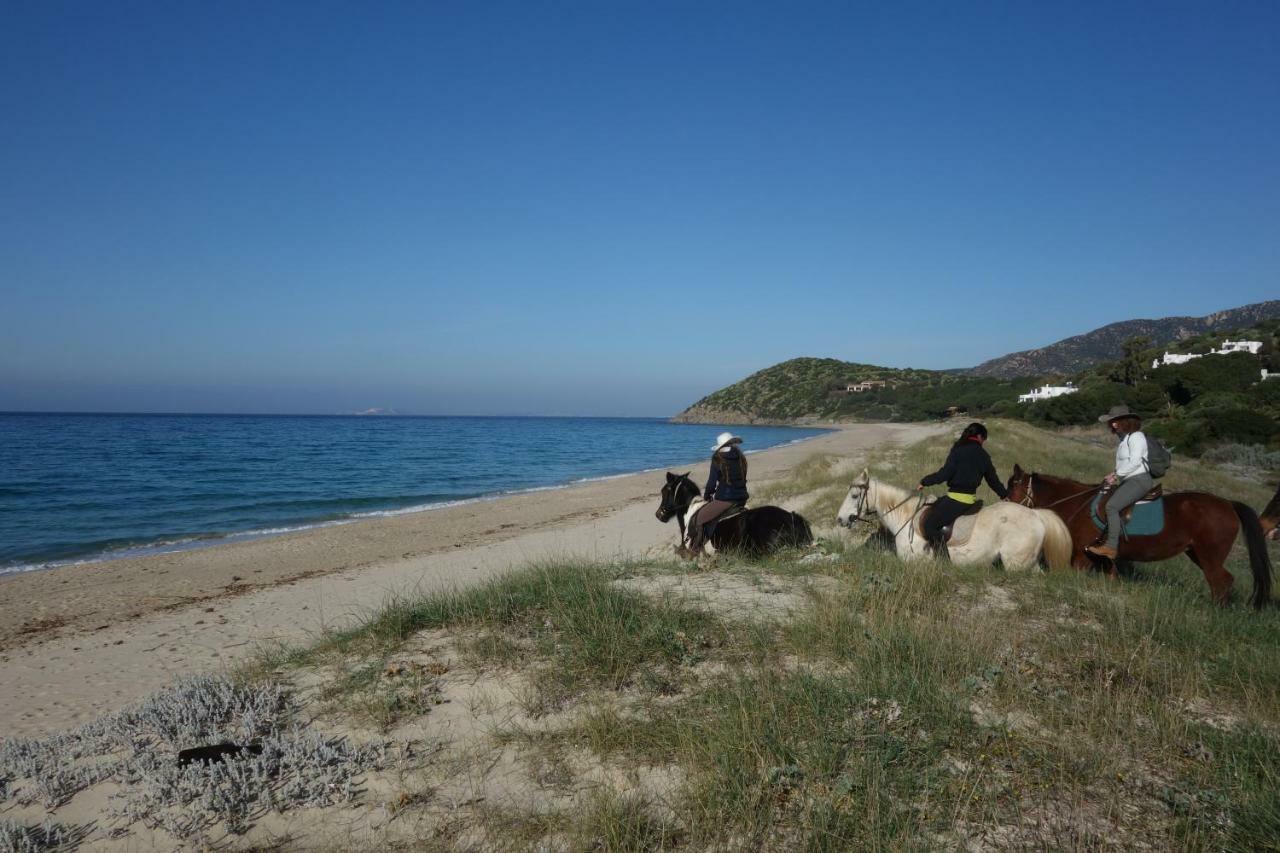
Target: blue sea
78	487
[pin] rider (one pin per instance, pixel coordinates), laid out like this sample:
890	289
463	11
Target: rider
966	466
726	487
1131	479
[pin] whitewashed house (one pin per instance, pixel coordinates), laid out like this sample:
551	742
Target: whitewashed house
1250	347
1046	392
1227	348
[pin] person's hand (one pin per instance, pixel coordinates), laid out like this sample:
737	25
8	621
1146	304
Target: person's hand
1110	480
920	488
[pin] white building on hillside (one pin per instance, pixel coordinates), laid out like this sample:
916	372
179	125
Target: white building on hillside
1266	374
1227	348
1250	347
1174	358
1045	392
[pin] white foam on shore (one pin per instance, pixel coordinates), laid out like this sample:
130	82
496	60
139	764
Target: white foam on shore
193	543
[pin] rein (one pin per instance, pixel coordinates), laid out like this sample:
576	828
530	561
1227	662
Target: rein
864	515
1028	500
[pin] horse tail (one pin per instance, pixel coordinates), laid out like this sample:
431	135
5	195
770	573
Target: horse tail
1057	540
1259	560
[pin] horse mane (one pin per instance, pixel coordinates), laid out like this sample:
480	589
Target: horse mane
1058	481
896	493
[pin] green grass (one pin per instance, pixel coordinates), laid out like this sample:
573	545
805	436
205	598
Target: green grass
908	706
573	625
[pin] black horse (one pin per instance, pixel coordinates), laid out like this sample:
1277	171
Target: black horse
754	531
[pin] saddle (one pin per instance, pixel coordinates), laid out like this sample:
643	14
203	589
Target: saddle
699	503
958	531
1126	514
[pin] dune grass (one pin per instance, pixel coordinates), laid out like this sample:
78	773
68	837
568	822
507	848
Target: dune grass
905	706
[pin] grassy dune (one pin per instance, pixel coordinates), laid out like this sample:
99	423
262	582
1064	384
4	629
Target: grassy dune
897	706
832	699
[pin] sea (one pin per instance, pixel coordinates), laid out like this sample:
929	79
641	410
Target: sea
80	488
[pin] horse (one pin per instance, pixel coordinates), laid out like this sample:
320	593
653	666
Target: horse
1270	517
1198	524
1015	535
754	531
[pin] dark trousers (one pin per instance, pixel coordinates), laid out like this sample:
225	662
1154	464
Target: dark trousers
941	514
1126	494
709	512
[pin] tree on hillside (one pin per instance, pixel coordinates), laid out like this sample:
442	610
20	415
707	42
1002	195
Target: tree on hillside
1221	373
1129	370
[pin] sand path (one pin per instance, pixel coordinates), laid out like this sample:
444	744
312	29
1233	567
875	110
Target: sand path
79	641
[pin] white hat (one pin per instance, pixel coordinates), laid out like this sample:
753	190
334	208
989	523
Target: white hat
725	438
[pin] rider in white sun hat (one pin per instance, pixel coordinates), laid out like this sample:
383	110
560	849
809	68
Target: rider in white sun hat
726	487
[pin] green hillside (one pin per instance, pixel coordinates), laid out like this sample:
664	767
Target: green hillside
814	389
1214	401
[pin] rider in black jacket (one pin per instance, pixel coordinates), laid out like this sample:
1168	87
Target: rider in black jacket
966	466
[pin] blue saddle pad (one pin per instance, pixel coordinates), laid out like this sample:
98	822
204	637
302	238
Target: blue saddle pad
1148	518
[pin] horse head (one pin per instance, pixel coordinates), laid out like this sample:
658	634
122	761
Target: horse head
854	508
1270	517
1021	487
675	496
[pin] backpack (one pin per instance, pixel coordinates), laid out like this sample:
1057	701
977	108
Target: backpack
1158	458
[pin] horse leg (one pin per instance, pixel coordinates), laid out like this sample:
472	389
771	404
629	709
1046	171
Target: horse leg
1215	574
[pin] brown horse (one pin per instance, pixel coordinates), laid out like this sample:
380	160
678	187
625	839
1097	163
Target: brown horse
1270	518
1198	524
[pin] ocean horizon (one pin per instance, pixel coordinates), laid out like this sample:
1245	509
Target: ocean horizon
78	487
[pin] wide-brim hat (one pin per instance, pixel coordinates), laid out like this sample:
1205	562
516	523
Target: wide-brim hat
1116	413
725	438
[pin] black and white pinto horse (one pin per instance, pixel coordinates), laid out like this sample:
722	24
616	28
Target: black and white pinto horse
758	530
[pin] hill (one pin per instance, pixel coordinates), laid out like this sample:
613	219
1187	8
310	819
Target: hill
1217	402
1071	355
799	389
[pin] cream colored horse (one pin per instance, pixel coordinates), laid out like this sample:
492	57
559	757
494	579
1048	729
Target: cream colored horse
1010	532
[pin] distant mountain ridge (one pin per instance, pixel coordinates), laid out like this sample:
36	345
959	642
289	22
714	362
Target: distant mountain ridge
1071	355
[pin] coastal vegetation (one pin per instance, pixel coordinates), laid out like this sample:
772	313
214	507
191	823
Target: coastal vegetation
1218	402
828	699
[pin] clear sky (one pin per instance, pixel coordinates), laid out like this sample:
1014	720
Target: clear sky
603	207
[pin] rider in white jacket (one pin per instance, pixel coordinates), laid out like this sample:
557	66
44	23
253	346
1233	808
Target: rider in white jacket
1131	478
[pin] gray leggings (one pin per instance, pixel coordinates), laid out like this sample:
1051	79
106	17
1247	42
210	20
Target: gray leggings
1126	494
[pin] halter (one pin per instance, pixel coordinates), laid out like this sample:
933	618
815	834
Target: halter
1028	500
861	513
675	492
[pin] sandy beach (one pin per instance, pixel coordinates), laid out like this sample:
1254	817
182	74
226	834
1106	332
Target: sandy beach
77	641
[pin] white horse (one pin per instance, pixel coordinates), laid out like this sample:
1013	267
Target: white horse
1012	533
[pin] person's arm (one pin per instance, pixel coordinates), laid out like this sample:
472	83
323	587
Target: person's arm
993	480
1136	461
942	474
713	481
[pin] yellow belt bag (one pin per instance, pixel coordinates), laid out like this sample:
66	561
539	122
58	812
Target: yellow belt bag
961	497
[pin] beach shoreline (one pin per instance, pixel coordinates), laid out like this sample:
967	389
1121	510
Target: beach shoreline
83	639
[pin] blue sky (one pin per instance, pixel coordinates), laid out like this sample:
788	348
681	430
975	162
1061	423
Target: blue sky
607	208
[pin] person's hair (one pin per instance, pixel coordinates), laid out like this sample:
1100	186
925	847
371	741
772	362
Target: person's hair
1127	424
972	430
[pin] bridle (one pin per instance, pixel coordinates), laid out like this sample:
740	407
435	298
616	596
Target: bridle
1028	499
862	514
665	511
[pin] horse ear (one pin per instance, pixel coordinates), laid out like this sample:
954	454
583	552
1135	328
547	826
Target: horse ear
1017	470
686	474
671	478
